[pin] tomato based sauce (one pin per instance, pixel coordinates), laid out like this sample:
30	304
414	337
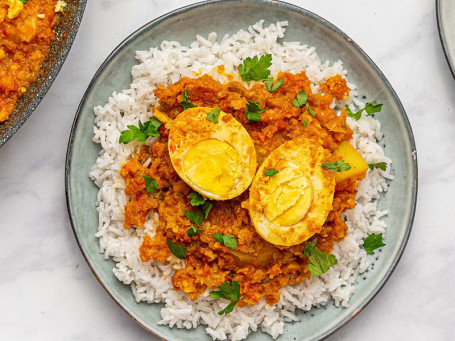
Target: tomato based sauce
259	267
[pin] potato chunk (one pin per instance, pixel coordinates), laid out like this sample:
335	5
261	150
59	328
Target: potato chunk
358	165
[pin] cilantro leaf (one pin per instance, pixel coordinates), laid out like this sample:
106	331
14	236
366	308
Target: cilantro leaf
23	1
253	112
312	112
320	263
355	116
372	107
206	208
196	199
305	123
255	69
227	240
228	292
177	251
301	99
269	84
195	217
379	165
271	172
150	183
141	134
309	248
373	242
192	231
337	166
184	102
212	116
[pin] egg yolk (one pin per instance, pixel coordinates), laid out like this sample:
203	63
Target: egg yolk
212	165
288	196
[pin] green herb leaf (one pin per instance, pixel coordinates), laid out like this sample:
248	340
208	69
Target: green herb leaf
312	112
269	84
195	217
141	134
227	240
177	251
23	1
212	116
185	103
255	69
320	263
192	231
379	165
337	166
305	123
271	172
372	107
309	248
196	199
373	242
301	99
206	208
228	292
253	112
150	183
355	116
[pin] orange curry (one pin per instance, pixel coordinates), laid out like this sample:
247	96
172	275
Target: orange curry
259	267
26	33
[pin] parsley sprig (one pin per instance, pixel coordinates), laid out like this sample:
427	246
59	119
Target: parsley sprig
373	242
320	263
195	217
337	166
370	108
184	102
271	171
230	293
212	116
300	99
192	231
141	133
270	86
227	240
150	183
198	200
253	112
379	165
177	250
255	68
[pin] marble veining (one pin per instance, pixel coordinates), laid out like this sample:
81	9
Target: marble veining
47	291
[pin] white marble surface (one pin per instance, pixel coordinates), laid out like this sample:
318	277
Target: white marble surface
47	292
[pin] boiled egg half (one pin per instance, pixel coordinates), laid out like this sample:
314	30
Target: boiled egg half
290	206
215	157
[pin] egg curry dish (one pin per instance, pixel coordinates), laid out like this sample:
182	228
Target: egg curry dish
249	181
26	34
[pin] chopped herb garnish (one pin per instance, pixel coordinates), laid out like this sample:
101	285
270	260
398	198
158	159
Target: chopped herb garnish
305	123
192	231
212	116
230	293
373	242
141	134
195	217
309	248
206	207
23	1
337	166
370	108
150	183
269	84
185	103
312	112
255	68
301	99
227	240
253	112
320	263
177	251
196	199
271	171
379	165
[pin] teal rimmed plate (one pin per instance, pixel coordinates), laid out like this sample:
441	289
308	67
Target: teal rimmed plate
228	17
445	14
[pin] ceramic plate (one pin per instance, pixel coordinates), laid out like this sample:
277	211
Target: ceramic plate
65	32
445	12
228	17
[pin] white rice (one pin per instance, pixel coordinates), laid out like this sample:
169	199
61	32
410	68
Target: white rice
151	281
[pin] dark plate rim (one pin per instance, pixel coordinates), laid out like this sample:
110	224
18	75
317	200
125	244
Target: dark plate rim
414	180
442	37
71	35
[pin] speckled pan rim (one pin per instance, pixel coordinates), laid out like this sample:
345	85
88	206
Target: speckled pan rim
442	36
291	7
71	35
